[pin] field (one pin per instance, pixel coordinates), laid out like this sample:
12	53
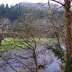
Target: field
10	43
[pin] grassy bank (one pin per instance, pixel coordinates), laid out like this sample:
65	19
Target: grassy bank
10	43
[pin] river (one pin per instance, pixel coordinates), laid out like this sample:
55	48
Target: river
20	59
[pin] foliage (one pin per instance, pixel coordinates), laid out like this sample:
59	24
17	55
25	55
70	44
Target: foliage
68	65
2	10
14	12
56	49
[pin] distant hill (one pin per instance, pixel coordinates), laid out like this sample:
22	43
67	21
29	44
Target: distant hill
12	13
35	15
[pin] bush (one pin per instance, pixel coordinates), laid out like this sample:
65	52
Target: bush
57	50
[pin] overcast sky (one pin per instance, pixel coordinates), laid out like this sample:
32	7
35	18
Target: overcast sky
13	2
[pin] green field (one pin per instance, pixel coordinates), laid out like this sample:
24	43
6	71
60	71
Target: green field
10	43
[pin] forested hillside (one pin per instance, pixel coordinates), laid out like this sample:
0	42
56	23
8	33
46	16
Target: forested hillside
35	14
13	12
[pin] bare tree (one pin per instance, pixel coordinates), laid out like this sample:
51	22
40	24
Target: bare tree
68	39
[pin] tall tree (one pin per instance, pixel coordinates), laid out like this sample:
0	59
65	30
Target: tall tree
68	39
1	10
6	10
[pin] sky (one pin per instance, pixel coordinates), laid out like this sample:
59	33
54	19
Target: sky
13	2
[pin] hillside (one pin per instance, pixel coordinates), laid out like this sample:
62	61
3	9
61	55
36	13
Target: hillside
34	15
40	9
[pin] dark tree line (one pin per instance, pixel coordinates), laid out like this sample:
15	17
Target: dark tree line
13	12
6	12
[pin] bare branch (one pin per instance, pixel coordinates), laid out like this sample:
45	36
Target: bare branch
8	63
58	2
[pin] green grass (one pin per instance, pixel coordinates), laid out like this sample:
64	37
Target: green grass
46	41
10	43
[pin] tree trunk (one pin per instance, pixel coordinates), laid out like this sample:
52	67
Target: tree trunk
68	45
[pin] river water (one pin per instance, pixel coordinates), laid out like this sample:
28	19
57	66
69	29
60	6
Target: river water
20	59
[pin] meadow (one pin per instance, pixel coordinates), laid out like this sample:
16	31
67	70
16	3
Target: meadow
11	43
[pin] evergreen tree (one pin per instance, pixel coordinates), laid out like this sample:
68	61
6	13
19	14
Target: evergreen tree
2	10
6	11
